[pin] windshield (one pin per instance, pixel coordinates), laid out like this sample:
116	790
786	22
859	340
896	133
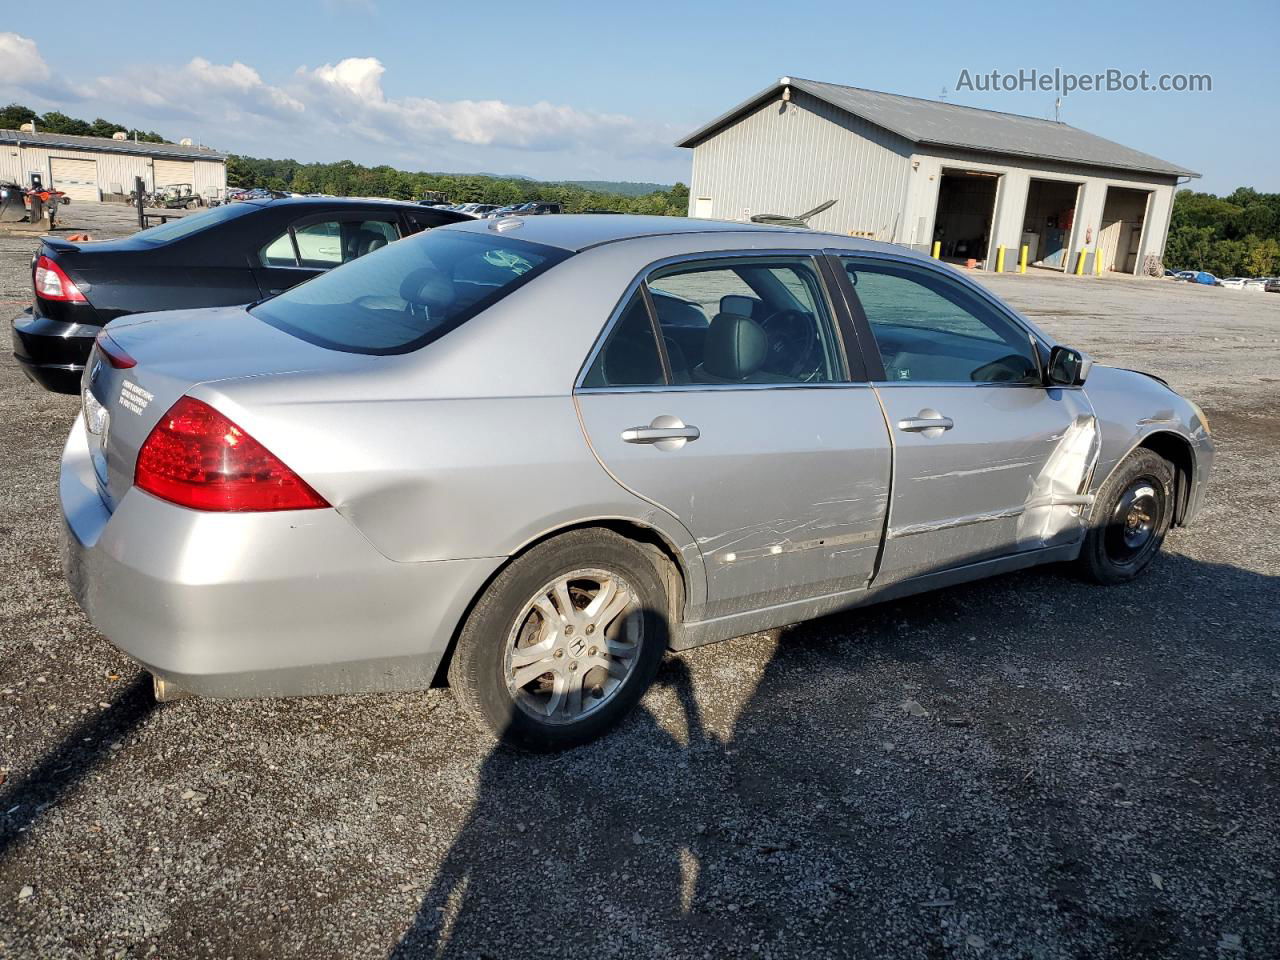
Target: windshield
409	293
194	223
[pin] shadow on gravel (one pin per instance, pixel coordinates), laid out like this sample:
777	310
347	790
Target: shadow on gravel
999	768
83	748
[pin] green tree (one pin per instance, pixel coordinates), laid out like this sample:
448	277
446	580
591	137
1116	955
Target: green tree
1261	256
15	115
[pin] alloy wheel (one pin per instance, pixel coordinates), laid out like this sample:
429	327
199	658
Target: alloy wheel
573	645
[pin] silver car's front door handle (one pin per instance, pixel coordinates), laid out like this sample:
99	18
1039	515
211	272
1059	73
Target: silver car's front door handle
658	434
664	432
923	424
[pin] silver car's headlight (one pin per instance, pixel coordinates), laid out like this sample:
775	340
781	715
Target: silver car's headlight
1200	413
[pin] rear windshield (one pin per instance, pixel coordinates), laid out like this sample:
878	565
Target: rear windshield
194	222
408	293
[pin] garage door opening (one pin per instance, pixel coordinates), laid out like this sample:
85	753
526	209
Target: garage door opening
1047	222
966	208
1120	239
78	179
173	173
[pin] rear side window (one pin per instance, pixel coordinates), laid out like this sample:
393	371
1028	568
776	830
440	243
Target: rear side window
629	357
407	294
195	222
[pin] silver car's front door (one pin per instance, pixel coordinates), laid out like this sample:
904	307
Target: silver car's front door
987	461
751	434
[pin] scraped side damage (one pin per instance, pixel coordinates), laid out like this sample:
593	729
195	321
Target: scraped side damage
1056	510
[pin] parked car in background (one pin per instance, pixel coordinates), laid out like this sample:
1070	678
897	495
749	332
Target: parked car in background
351	445
1273	285
483	209
1206	278
539	207
1258	285
1233	283
226	255
503	211
1185	275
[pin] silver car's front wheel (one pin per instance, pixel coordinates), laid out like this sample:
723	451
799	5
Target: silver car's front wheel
573	645
565	640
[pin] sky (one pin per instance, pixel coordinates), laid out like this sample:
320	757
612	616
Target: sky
574	90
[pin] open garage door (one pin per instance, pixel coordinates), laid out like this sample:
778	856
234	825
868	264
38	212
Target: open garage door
78	179
169	172
1047	221
1120	238
966	207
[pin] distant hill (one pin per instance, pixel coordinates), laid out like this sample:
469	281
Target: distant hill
626	188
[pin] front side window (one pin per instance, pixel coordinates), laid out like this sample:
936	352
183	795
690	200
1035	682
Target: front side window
746	320
407	294
929	328
324	245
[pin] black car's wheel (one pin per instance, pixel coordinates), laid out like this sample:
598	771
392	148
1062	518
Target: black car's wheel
564	642
1130	517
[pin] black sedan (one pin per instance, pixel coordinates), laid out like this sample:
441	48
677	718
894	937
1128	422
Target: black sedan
224	256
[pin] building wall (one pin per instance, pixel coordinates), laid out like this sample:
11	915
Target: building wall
790	157
17	162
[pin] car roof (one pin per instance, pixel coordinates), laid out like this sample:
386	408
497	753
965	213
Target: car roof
580	231
333	202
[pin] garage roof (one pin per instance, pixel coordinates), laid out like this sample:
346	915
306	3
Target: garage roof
935	123
107	145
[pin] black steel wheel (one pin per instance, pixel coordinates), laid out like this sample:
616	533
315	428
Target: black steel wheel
1130	517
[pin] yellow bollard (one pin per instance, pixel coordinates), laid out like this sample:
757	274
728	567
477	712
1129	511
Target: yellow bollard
1000	259
1022	258
1097	263
1080	264
936	252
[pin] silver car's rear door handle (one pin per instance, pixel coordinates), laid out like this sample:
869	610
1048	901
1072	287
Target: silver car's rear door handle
664	432
921	424
658	434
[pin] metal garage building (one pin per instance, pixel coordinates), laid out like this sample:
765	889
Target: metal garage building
88	169
915	171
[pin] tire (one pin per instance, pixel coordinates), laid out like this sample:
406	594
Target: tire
518	626
1130	517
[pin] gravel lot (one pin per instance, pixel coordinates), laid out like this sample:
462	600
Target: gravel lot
1093	772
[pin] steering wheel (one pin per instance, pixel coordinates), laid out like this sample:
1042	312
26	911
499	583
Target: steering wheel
792	339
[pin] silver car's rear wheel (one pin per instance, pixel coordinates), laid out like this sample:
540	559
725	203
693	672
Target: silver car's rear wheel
565	640
573	645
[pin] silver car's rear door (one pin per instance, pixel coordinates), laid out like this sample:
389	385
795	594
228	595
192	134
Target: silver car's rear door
784	480
987	461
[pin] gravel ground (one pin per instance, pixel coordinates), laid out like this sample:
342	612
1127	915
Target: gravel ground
1076	772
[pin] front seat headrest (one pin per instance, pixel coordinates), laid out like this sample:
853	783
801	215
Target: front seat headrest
736	347
428	287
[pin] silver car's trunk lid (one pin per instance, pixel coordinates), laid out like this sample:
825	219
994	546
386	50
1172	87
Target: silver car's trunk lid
173	352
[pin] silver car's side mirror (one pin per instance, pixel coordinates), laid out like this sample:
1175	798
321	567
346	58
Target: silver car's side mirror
1067	367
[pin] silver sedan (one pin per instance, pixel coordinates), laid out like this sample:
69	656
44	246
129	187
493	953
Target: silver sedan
532	455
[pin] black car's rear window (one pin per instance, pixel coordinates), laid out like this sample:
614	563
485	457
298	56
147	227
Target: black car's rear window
194	222
409	293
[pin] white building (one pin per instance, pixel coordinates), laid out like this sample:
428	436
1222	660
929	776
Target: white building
90	168
915	171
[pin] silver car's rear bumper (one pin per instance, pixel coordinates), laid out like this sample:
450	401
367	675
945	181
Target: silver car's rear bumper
255	604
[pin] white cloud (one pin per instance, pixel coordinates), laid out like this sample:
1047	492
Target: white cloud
23	64
24	71
352	89
340	110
